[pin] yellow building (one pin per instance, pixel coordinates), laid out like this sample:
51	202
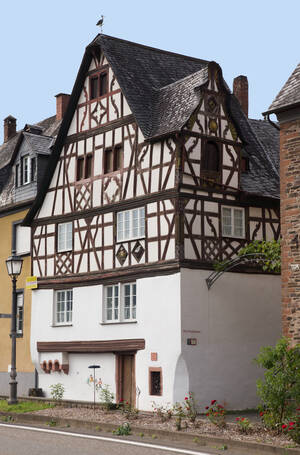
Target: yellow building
23	162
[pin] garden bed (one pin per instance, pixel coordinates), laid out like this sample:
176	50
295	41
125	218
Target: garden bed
150	421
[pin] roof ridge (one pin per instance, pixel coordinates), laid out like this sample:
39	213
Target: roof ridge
180	80
144	46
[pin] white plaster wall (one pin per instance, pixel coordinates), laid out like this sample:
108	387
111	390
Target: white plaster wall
231	321
158	322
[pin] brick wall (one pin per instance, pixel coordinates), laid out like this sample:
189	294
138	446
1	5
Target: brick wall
290	227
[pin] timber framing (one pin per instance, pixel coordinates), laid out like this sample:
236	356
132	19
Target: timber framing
96	346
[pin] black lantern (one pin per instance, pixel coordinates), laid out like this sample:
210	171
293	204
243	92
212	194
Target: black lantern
14	265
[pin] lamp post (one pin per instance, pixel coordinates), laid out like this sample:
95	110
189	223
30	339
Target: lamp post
94	367
14	267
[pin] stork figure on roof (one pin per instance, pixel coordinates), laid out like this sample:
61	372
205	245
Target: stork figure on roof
100	22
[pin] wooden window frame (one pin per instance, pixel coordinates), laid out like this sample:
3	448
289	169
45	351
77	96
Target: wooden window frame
209	176
116	149
232	235
84	159
57	323
97	77
155	370
23	160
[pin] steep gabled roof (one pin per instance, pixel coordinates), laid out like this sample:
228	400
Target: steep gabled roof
142	72
289	95
162	90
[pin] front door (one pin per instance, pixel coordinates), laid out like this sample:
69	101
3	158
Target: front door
126	378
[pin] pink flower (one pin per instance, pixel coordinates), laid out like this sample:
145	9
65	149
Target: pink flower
237	419
283	426
207	414
186	398
213	402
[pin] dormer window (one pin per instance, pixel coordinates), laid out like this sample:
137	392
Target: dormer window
99	85
25	171
210	162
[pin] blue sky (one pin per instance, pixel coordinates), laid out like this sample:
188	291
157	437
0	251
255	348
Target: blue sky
42	44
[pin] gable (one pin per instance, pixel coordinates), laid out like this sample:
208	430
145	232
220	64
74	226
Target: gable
93	111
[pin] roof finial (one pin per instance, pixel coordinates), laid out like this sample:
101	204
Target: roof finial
100	22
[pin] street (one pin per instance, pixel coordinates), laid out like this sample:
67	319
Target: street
23	440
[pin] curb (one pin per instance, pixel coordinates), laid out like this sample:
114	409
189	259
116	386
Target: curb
171	436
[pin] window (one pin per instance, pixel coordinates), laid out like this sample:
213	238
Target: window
20	312
155	381
98	85
120	302
113	159
25	163
17	175
64	236
63	307
84	167
210	161
33	169
233	224
131	224
103	83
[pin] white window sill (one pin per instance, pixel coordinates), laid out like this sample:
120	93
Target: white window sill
130	239
64	251
61	325
118	322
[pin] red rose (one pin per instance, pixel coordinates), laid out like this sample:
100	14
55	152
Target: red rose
207	414
206	407
186	398
237	419
283	427
220	407
243	418
261	413
213	402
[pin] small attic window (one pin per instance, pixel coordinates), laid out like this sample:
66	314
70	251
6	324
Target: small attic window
210	162
245	164
103	83
93	88
99	85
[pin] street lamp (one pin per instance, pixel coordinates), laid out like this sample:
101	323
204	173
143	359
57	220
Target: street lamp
14	267
94	367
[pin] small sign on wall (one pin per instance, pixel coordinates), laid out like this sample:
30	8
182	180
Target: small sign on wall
31	282
191	341
153	356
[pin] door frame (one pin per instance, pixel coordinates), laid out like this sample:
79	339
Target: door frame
119	377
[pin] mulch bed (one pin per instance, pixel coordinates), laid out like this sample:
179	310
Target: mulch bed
201	427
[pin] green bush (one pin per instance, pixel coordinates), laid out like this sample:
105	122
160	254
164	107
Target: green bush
279	391
106	397
57	391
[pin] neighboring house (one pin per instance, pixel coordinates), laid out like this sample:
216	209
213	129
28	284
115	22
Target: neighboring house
286	106
23	158
156	175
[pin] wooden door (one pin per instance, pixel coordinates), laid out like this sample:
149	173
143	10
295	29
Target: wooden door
126	378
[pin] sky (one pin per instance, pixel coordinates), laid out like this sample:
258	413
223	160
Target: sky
42	44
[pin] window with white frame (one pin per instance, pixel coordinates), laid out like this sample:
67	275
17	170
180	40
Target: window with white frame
233	223
64	236
25	169
131	224
63	307
20	312
120	302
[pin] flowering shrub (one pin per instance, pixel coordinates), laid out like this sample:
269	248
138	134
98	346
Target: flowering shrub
190	407
280	387
216	414
178	411
244	424
163	412
292	429
106	397
128	410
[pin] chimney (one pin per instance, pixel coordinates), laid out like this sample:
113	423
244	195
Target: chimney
240	90
62	100
10	127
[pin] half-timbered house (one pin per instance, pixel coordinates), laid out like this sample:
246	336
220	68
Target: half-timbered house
156	175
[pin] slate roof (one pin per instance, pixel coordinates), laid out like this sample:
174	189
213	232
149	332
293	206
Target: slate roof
289	94
142	71
39	143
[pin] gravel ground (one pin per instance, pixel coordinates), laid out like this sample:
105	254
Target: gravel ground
148	420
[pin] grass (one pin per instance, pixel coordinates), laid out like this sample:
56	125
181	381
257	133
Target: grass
23	406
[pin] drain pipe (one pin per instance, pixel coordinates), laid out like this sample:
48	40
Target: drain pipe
271	122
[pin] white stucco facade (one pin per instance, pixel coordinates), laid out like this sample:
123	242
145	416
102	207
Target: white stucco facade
230	322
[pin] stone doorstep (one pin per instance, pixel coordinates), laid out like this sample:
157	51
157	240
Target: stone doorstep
171	436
